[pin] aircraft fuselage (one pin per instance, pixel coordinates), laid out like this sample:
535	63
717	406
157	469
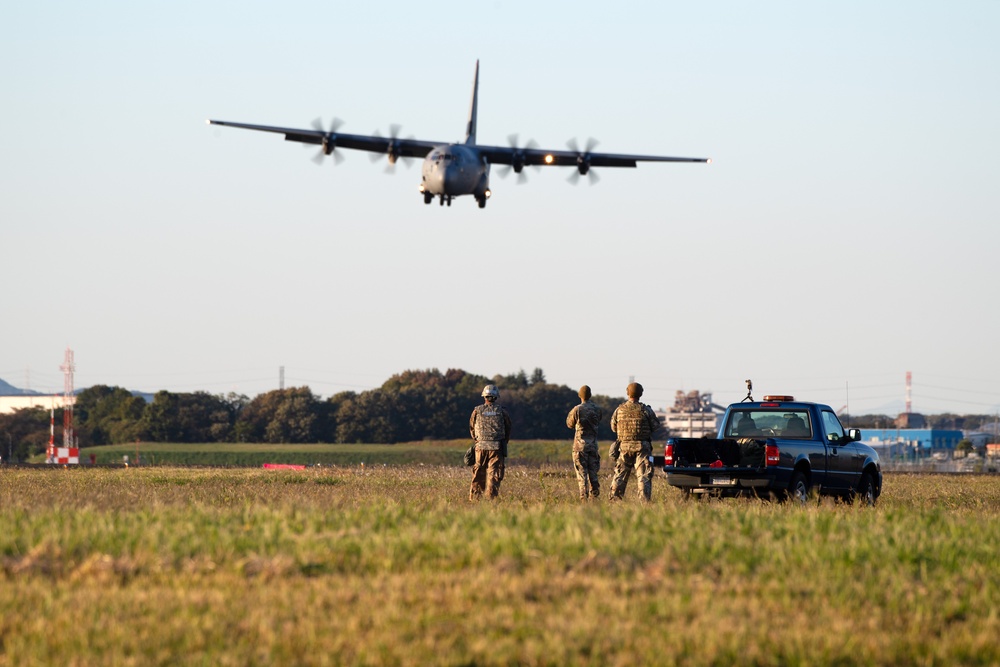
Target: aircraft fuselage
454	170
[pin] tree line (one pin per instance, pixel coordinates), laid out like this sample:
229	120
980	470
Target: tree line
409	406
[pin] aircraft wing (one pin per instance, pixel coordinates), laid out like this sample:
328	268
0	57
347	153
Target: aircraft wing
563	158
362	142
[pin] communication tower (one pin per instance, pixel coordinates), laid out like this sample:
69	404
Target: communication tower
909	402
68	368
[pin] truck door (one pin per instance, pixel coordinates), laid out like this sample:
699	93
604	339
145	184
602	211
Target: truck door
843	467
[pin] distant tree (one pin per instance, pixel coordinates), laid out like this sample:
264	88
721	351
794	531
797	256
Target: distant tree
964	447
106	415
511	382
540	410
331	423
24	433
224	419
431	404
537	377
188	417
368	417
282	416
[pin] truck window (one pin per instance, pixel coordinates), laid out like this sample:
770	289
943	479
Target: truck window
765	423
797	425
834	431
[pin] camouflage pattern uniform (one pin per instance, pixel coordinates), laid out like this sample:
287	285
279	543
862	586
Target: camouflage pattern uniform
585	418
489	426
634	423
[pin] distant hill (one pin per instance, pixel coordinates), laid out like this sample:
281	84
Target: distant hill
7	389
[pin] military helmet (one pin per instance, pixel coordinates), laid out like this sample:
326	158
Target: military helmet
634	390
490	391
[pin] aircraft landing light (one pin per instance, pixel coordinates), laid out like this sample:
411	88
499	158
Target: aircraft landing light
549	159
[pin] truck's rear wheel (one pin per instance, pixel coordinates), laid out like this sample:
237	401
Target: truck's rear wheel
798	490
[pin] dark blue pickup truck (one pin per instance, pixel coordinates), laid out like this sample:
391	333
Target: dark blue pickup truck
777	447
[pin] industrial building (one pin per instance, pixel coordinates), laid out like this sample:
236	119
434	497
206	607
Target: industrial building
692	416
911	442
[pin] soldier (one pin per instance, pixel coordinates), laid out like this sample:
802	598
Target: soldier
585	418
489	426
634	423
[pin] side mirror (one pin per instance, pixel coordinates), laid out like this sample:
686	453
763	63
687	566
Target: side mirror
854	434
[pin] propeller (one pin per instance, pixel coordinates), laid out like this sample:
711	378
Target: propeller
518	159
329	141
583	161
392	149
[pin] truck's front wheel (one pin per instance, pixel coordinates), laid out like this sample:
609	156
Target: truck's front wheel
798	490
866	490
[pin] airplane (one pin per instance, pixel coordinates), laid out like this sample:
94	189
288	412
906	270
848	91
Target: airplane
455	169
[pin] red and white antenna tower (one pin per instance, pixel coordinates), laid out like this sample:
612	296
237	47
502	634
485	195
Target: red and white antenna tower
909	381
68	398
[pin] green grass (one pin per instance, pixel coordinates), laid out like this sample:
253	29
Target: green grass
394	566
445	452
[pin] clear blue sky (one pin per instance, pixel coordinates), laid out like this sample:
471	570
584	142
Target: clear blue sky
845	233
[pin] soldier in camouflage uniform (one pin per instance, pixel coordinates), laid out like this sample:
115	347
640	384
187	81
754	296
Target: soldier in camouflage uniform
489	426
634	423
585	418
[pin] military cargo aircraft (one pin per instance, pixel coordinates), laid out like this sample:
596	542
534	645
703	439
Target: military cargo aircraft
455	169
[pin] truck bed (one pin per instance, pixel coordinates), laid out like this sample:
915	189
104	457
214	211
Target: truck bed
713	452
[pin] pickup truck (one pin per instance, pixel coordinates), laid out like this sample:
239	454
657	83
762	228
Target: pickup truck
778	447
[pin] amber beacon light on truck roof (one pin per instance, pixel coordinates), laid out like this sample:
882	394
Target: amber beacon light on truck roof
774	401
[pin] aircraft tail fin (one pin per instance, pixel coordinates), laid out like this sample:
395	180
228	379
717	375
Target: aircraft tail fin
470	129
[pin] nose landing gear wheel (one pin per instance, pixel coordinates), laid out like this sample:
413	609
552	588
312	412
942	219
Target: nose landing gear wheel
428	198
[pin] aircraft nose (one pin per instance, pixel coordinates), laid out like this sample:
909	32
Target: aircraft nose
434	179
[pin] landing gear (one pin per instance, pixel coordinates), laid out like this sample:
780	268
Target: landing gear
482	202
428	198
445	199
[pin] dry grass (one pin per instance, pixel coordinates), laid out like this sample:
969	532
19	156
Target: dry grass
395	566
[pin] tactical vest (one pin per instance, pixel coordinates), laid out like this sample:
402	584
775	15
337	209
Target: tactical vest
632	422
489	423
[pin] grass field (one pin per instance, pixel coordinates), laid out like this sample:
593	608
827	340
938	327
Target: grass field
393	565
431	452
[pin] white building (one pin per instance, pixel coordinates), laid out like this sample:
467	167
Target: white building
8	404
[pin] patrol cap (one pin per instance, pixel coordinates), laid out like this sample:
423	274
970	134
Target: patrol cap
490	390
584	393
634	390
